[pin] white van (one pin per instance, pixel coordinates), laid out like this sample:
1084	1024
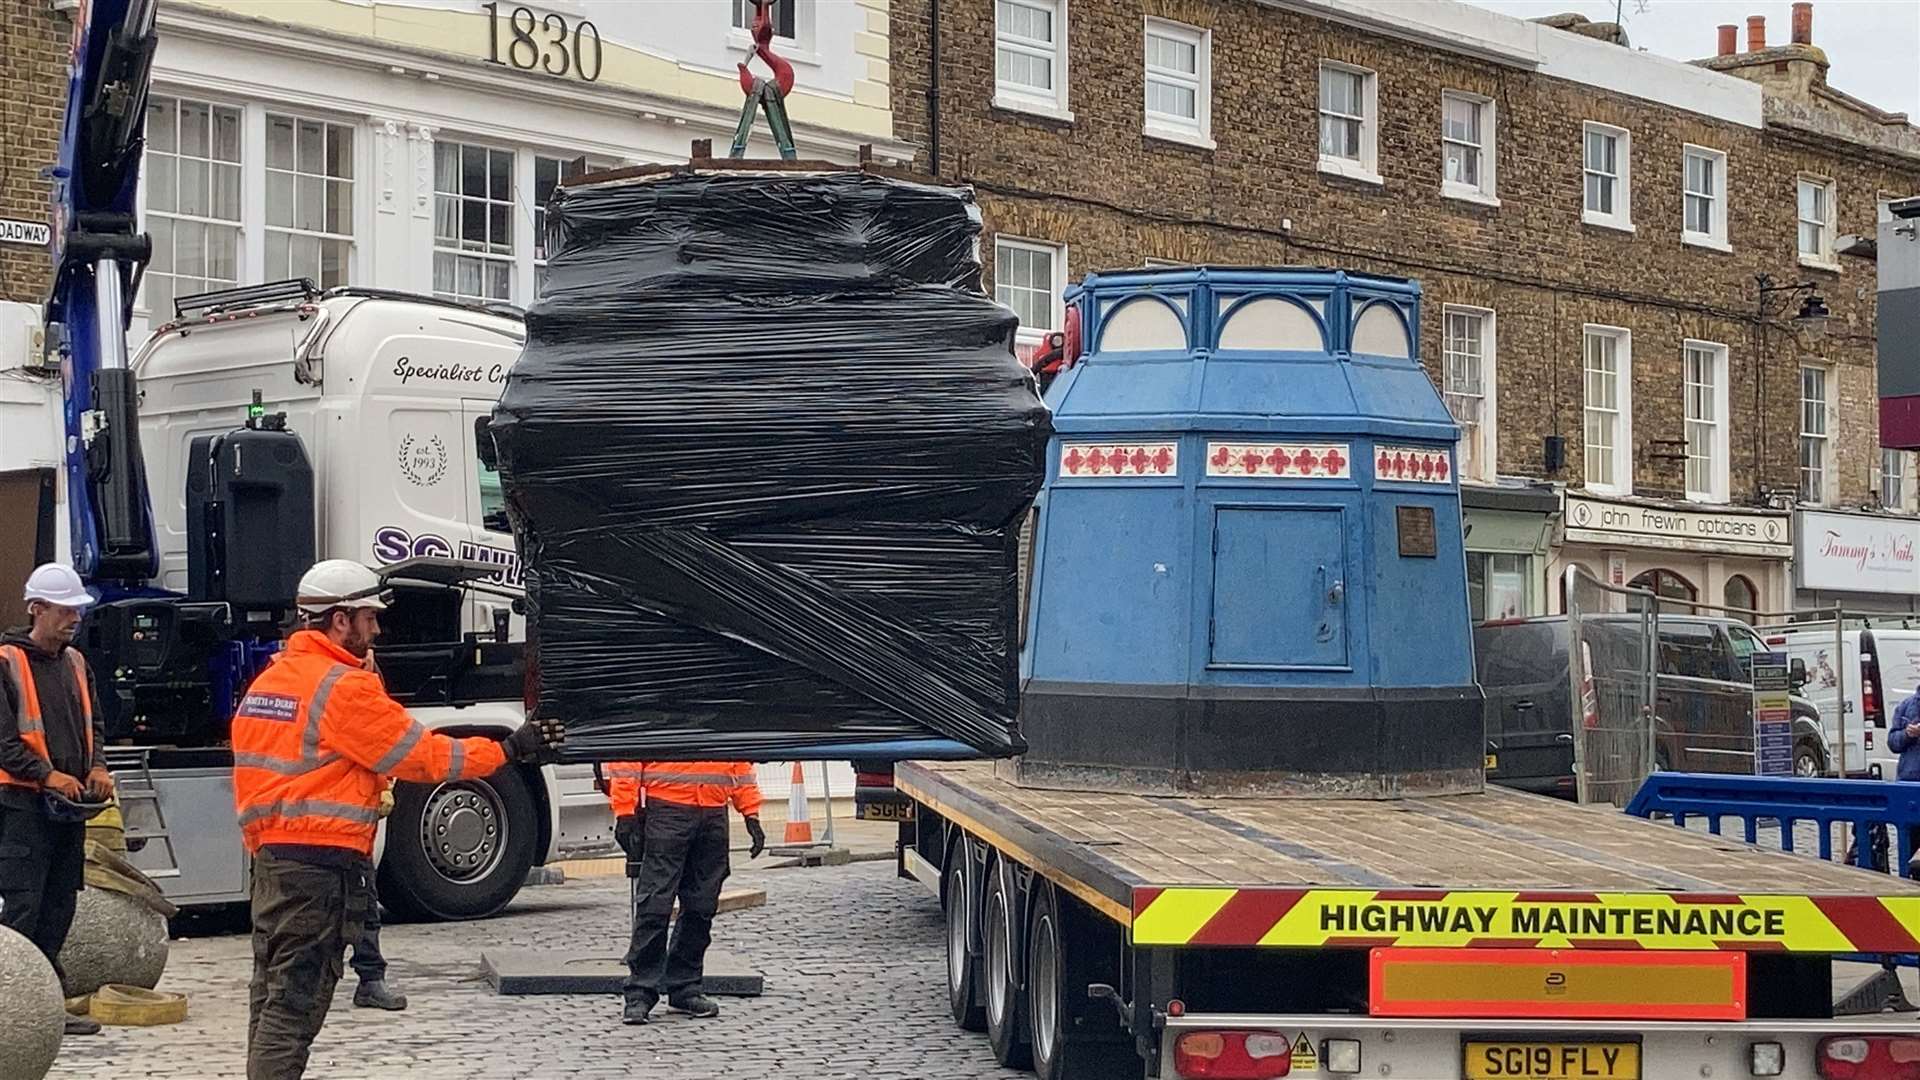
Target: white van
1882	667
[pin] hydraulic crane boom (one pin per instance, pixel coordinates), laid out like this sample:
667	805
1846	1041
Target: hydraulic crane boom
98	257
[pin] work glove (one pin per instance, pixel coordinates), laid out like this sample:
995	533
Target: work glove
628	832
759	836
535	740
386	802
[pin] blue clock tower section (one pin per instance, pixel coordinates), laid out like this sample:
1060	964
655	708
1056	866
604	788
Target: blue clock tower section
1248	573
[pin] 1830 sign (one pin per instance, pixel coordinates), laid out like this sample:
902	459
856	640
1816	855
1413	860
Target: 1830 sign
550	43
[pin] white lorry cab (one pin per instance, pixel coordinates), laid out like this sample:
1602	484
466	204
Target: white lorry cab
384	391
1860	674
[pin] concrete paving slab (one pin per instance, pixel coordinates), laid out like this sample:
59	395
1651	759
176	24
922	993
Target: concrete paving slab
511	970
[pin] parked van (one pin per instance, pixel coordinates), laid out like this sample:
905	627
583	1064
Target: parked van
1882	667
1704	698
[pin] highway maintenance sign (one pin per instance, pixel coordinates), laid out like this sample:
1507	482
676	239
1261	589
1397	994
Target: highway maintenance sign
1437	918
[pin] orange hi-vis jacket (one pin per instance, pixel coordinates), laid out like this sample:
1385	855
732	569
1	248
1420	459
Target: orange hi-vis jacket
314	739
688	783
32	731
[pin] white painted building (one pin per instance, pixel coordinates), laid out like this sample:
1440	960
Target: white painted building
411	144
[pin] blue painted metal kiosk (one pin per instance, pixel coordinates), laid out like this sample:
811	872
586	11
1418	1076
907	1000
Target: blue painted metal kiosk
1248	572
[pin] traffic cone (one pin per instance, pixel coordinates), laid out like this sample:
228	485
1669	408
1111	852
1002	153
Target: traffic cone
799	818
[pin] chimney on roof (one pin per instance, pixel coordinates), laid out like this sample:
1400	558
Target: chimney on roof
1756	33
1729	40
1803	23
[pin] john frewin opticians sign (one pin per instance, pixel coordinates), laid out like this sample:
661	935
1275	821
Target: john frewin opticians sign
1767	534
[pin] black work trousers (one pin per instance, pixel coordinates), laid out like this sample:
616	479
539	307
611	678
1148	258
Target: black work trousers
685	858
369	963
43	867
304	917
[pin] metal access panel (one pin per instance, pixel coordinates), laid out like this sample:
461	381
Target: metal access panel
1279	587
211	861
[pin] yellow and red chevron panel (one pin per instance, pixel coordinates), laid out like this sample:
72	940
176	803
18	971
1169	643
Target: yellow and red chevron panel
1197	916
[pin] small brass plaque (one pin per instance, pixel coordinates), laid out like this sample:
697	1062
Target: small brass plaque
1417	539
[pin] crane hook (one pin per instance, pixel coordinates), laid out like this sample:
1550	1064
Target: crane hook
763	47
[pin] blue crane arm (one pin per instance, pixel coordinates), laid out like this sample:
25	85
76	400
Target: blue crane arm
99	254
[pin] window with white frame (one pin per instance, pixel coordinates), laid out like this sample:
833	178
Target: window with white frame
548	173
1815	196
1467	369
1030	55
1704	193
309	200
473	254
1704	406
784	19
1609	417
1815	444
1894	486
1607	164
1028	278
1348	110
193	199
1179	81
1467	133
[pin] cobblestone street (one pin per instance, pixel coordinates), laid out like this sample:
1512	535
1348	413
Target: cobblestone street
852	957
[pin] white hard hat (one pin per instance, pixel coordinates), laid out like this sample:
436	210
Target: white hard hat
57	583
339	583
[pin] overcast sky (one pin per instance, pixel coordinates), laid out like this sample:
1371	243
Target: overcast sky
1874	45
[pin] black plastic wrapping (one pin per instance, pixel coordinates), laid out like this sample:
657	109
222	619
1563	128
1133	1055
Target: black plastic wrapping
765	456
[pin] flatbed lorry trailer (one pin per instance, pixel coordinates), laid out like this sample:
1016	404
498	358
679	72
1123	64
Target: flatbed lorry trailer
1250	836
1457	936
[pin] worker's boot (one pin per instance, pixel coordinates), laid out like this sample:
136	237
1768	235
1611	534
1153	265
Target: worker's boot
82	1025
697	1005
375	995
636	1010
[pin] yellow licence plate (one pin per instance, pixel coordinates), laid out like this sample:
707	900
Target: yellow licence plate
1552	1061
886	812
1493	761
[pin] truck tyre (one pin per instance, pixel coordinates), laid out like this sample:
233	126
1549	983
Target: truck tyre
1057	980
963	969
1808	759
458	851
999	971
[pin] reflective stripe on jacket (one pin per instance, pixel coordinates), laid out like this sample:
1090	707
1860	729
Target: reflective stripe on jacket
313	740
33	729
623	786
688	783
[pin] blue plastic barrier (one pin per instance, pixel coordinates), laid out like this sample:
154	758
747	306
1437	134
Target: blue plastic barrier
1861	804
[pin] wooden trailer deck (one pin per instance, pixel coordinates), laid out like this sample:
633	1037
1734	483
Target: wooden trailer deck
1495	869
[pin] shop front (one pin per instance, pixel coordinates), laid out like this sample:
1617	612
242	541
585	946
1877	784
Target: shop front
1734	556
1861	562
1508	528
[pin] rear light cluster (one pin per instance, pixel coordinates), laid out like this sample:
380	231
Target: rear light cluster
1233	1055
1869	1057
1869	700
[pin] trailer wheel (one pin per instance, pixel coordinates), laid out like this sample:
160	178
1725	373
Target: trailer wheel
1057	980
460	850
1006	1007
963	970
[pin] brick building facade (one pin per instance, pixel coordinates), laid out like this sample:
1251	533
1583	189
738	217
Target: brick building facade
1462	152
33	97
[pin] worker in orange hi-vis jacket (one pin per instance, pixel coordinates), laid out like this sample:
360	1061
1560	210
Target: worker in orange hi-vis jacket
313	740
671	817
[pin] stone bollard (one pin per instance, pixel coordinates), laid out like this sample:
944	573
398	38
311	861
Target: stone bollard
32	1014
115	939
